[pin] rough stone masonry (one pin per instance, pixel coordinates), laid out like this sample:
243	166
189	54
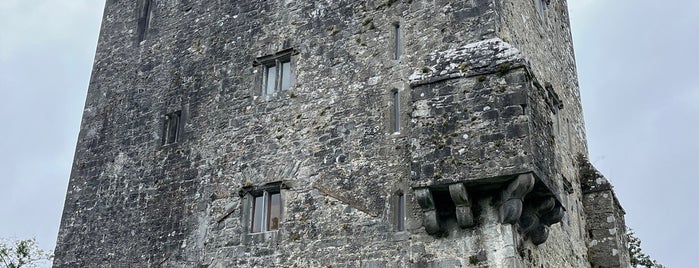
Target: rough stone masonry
336	133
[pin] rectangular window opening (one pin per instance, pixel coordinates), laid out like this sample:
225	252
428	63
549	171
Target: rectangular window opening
400	212
285	74
271	79
266	212
144	19
171	127
274	212
278	73
396	111
258	213
397	48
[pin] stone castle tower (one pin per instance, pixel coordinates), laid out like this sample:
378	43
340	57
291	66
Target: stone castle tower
336	133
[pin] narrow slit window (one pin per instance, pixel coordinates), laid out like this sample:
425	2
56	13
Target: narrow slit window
171	127
396	111
397	48
400	212
285	75
144	19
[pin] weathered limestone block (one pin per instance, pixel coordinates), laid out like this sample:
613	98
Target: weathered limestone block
426	202
464	215
605	223
513	198
483	57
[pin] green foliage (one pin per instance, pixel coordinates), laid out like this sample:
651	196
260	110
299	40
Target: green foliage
22	253
504	68
332	29
295	236
638	257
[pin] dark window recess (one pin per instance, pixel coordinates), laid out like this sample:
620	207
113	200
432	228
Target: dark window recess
266	212
397	40
171	128
278	73
400	212
396	111
144	19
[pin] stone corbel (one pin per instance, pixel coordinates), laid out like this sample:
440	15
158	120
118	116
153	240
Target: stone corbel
538	216
533	217
426	202
530	223
464	216
513	198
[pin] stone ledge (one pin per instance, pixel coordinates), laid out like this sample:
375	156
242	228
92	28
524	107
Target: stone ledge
487	56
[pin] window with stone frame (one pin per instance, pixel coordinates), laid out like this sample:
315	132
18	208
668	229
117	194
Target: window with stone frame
266	210
144	19
171	127
277	72
395	113
397	42
400	212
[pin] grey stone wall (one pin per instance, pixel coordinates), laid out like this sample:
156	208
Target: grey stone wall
606	228
329	140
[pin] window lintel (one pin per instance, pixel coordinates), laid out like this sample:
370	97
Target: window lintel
272	187
271	59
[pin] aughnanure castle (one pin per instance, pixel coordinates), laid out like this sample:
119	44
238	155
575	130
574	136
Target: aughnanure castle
336	133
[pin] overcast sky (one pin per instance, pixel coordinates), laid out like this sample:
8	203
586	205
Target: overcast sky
638	78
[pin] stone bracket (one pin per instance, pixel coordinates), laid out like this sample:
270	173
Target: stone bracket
536	218
533	214
458	194
426	202
531	210
513	197
462	204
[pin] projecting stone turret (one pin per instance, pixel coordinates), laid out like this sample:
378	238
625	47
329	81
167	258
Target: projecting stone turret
333	134
474	118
